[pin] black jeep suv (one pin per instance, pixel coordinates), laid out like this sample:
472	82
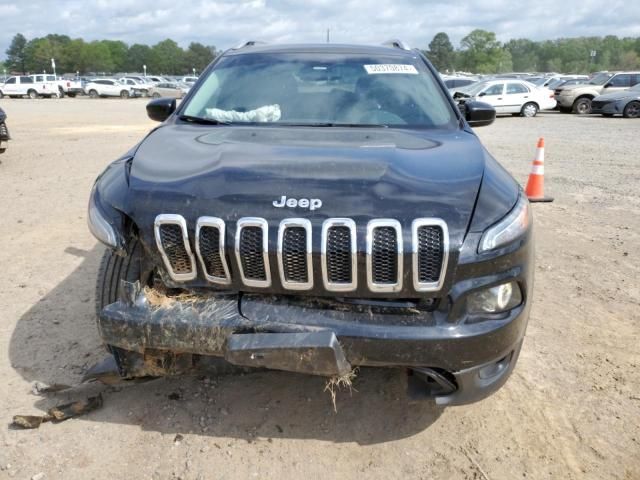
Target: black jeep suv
314	208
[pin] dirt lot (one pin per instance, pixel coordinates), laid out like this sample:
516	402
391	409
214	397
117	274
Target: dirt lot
571	410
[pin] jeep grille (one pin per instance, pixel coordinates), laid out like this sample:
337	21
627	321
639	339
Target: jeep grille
384	262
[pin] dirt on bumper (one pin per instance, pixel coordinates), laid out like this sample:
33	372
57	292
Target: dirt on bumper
229	327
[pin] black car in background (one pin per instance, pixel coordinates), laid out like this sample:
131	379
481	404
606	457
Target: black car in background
4	131
315	208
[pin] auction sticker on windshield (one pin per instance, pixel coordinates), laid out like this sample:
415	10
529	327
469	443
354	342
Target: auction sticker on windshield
390	68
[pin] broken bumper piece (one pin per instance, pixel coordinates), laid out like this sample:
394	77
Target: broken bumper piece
153	335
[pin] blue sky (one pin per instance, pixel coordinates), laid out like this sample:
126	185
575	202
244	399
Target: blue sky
226	23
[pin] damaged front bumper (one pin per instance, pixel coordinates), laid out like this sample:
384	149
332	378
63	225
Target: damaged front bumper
157	335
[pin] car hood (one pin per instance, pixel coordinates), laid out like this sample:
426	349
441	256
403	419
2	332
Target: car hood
618	95
579	86
233	172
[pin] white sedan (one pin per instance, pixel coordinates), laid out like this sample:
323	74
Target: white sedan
516	97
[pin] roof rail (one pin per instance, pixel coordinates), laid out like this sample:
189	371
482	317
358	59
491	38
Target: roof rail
250	43
395	43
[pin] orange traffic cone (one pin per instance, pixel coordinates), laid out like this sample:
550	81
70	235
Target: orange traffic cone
535	184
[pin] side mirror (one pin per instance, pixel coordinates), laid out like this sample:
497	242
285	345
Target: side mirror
482	94
479	114
161	109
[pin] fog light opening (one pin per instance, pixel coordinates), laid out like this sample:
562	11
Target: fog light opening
497	299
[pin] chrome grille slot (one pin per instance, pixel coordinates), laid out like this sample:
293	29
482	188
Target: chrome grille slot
252	251
384	255
339	254
294	254
172	241
430	238
210	248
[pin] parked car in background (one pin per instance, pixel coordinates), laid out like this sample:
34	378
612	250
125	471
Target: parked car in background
578	98
107	87
516	97
140	89
155	79
19	86
625	103
556	80
456	82
168	89
567	83
4	131
189	80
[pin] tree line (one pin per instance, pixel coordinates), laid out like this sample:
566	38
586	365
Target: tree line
75	55
481	52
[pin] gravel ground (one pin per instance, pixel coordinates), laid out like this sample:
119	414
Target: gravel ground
569	411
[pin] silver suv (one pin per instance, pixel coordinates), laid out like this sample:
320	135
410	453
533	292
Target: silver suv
577	98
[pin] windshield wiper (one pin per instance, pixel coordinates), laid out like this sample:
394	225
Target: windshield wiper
333	124
202	120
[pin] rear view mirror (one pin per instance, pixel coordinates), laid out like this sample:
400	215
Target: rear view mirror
161	109
479	114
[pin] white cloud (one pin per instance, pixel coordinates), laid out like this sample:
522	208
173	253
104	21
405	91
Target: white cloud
225	23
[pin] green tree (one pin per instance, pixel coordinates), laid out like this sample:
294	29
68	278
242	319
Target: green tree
96	56
198	56
118	51
74	57
16	55
524	54
166	57
137	56
482	53
441	52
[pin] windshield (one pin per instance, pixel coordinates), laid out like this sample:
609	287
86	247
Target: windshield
600	79
323	90
474	89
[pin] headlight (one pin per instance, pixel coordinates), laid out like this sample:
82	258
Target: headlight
495	299
98	224
509	228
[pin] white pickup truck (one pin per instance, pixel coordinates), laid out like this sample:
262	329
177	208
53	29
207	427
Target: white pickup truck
20	86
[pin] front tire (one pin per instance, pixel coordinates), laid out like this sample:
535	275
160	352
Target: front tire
155	95
582	106
529	110
93	94
632	110
113	269
124	94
